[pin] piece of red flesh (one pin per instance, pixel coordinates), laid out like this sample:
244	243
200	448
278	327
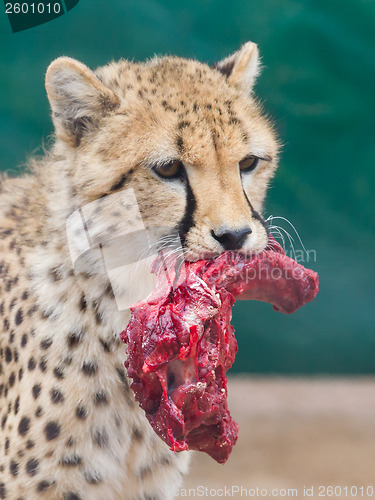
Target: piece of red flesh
180	342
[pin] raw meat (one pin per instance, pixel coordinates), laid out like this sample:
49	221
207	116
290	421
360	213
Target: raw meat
180	342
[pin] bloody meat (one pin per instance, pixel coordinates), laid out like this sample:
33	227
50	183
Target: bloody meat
180	342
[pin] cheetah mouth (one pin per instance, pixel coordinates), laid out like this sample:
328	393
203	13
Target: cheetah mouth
180	342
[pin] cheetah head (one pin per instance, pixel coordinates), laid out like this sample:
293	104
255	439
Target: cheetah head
188	139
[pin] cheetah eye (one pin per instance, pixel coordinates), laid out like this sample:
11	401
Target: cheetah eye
249	163
169	170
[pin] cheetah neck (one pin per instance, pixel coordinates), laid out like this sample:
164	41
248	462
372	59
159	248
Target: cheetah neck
84	292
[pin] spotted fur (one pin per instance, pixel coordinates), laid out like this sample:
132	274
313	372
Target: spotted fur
70	427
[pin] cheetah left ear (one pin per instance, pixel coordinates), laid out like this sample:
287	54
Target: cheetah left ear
242	67
78	99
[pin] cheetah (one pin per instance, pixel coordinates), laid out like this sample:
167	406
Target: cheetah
192	144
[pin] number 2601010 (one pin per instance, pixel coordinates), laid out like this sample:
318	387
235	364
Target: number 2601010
32	8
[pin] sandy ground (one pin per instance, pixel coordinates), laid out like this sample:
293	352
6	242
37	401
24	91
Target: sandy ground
294	433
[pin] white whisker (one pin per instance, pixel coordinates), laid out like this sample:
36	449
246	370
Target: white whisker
293	227
270	220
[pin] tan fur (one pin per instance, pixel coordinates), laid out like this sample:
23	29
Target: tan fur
70	427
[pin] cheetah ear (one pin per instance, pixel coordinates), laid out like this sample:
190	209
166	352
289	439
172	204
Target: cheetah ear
242	67
77	97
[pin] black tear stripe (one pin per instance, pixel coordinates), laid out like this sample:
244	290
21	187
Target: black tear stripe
119	183
257	215
187	221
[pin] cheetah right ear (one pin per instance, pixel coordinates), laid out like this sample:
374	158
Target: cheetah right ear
77	97
242	67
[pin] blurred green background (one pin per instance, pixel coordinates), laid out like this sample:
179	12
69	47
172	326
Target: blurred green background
317	83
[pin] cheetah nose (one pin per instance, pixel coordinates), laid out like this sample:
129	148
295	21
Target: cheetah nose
231	239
